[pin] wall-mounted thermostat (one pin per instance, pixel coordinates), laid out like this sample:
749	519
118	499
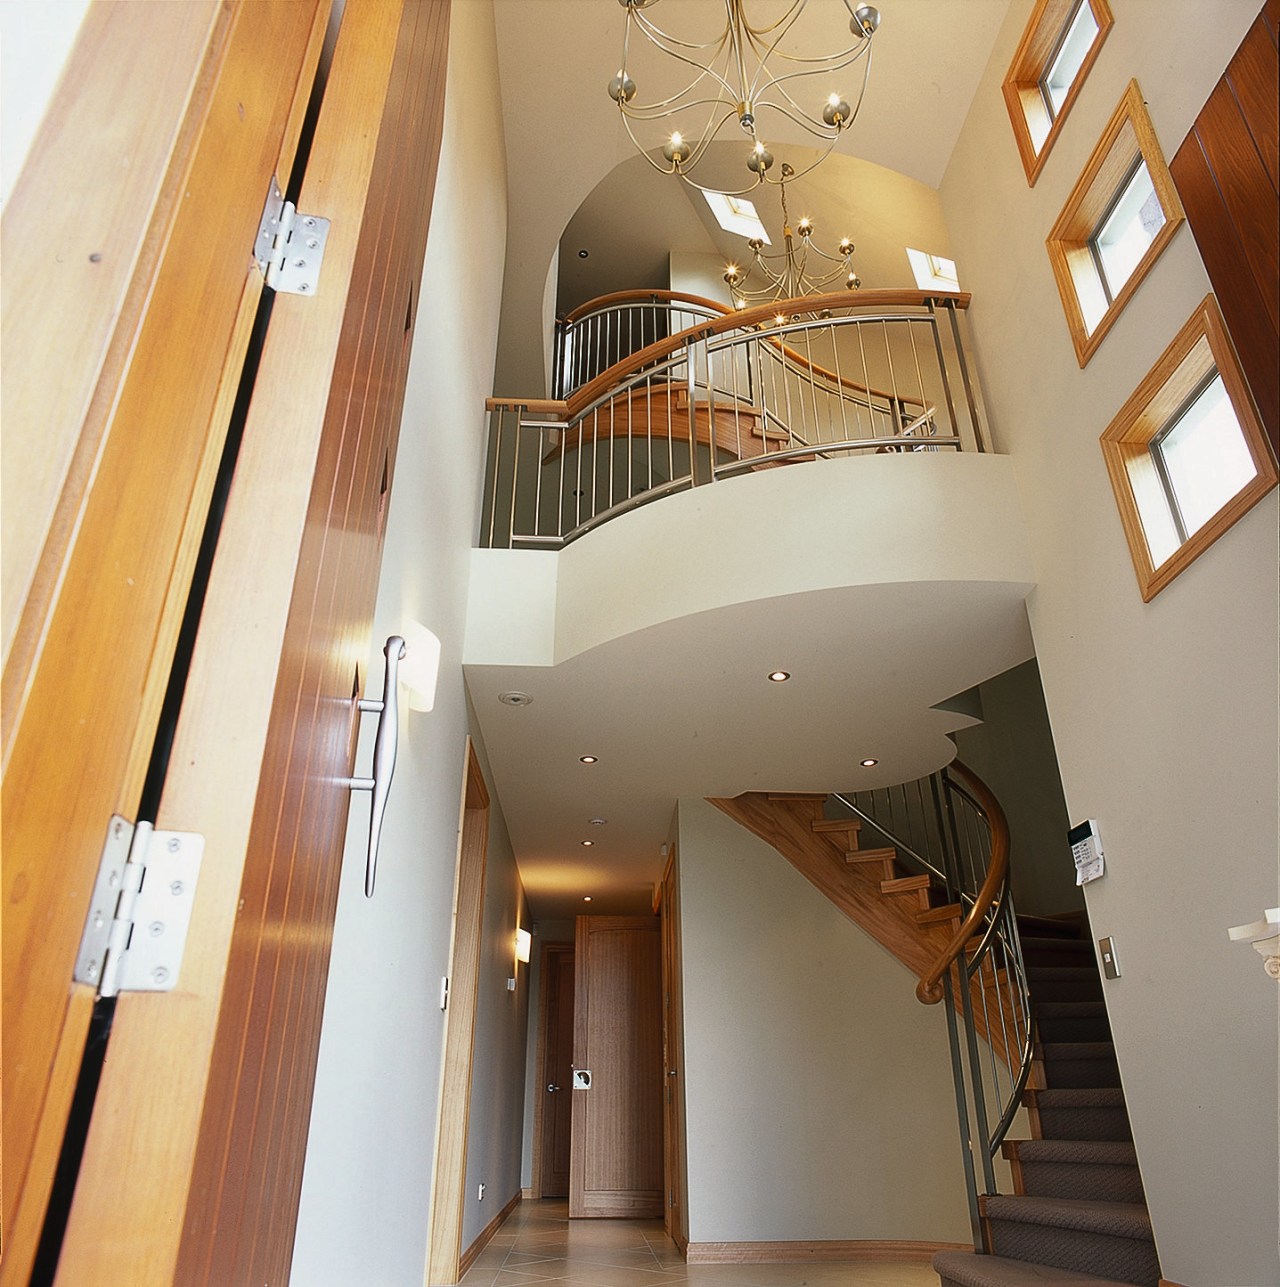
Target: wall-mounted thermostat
1086	851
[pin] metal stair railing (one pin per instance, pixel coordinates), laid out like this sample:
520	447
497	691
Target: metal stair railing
952	827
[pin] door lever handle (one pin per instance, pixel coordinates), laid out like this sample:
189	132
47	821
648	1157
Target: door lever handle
385	744
551	1087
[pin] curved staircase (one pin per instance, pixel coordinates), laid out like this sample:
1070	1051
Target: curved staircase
1033	1005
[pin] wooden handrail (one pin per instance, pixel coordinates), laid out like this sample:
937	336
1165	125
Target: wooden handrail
541	406
746	318
929	989
643	297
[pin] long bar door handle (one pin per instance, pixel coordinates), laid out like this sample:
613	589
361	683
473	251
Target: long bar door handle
385	744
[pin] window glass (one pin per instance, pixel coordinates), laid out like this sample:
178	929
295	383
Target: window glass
1065	64
1127	230
1205	457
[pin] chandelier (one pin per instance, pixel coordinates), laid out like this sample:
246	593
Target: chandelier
787	275
741	74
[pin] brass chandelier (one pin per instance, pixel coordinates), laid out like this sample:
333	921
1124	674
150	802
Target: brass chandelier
742	74
787	275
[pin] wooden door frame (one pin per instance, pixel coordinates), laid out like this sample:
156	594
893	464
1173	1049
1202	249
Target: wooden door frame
145	316
675	1168
540	1076
448	1189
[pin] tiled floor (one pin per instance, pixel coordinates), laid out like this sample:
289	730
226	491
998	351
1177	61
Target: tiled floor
539	1244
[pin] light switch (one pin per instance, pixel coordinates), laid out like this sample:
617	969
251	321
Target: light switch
1110	965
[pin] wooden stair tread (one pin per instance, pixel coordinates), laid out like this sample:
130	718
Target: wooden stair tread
904	884
824	825
856	856
939	915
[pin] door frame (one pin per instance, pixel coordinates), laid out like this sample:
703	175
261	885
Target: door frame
540	1075
448	1188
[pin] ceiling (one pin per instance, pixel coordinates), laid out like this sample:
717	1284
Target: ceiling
685	707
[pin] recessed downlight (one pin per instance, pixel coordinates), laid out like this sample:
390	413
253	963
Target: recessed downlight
586	898
779	676
586	844
588	759
869	764
514	698
598	822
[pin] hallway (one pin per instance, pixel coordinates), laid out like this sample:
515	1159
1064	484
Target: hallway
538	1244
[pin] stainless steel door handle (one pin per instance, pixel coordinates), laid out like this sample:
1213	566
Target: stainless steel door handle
551	1087
384	755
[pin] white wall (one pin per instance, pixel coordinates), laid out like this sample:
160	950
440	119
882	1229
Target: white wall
367	1184
1164	714
817	1089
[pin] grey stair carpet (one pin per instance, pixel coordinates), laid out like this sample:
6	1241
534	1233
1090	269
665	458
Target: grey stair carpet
1091	1114
1064	982
1100	1169
1111	1239
1057	951
1079	1064
965	1269
1072	1021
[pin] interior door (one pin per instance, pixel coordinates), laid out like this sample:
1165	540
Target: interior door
616	1166
122	351
206	1090
555	1120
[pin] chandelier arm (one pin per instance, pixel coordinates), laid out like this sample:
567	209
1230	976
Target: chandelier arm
766	49
668	43
797	117
703	74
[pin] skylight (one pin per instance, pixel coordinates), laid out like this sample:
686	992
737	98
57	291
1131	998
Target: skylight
737	215
933	272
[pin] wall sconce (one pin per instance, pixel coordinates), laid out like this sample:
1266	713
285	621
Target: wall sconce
524	945
421	666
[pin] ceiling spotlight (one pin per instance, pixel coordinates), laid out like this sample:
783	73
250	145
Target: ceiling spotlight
515	699
586	844
779	676
586	898
587	759
597	822
582	254
869	764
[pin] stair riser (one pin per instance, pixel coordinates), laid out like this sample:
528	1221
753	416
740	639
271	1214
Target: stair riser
1085	1028
1084	1124
1081	1074
1081	989
1065	953
1123	1259
1081	1180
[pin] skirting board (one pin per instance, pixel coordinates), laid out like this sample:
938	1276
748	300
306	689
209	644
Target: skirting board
779	1253
468	1257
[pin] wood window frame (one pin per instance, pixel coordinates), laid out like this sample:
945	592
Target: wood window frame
1129	137
1202	346
1021	86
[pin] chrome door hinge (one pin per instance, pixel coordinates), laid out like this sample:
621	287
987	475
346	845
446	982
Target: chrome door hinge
136	929
290	246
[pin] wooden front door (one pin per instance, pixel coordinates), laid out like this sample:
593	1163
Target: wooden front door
206	1090
673	1151
555	1102
616	1167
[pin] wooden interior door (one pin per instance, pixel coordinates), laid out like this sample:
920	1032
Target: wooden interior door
553	1109
616	1166
122	352
206	1090
673	1151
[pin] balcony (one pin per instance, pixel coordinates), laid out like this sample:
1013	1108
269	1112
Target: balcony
660	393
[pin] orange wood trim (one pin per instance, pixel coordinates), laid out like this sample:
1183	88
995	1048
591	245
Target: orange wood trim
540	406
784	1253
929	989
746	318
644	297
486	1234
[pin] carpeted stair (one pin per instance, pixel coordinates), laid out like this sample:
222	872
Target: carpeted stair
1077	1217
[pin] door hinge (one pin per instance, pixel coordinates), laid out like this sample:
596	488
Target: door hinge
136	929
290	246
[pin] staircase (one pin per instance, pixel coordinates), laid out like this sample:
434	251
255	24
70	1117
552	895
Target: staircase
1077	1217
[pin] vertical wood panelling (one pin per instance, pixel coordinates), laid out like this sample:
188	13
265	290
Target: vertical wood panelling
155	352
268	727
1226	174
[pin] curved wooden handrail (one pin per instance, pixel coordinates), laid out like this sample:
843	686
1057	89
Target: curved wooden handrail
929	989
744	319
642	297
